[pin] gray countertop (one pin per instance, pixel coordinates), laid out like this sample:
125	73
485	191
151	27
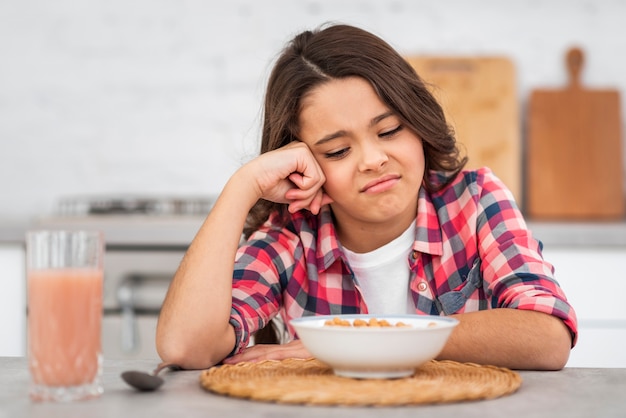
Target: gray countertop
135	230
580	233
179	231
572	392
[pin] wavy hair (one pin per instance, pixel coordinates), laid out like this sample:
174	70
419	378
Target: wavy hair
330	52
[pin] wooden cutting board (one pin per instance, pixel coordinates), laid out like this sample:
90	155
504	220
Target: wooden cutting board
479	97
574	151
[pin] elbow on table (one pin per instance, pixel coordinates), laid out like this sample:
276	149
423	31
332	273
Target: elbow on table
188	351
557	348
555	361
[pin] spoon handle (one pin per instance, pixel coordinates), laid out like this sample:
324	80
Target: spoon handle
164	365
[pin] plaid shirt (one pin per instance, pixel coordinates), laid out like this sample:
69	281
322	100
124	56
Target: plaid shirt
472	252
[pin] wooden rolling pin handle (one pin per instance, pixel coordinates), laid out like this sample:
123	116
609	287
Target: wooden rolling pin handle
575	60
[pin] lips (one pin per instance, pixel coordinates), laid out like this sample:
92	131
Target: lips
381	184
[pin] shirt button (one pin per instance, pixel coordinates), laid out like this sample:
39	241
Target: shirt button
422	286
414	255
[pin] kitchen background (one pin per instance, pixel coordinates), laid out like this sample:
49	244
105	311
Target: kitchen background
163	99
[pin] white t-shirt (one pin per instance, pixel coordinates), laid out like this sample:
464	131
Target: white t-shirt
383	275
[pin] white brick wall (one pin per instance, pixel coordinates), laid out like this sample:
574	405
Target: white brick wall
163	97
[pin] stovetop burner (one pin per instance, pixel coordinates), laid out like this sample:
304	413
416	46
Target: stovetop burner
134	205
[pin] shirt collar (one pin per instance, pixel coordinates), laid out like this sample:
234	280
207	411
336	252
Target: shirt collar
328	247
427	238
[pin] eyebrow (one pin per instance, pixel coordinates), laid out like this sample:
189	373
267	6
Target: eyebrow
341	133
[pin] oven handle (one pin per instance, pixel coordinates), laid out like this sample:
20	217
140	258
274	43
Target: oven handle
130	332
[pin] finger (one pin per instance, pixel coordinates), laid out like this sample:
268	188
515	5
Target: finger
318	201
300	199
254	354
326	200
315	205
312	203
307	182
297	205
260	352
322	199
249	354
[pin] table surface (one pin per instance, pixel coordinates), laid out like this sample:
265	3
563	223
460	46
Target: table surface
572	392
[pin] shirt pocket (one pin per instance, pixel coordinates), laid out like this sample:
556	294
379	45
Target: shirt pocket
452	301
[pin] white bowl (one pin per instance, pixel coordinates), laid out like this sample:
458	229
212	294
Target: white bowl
375	352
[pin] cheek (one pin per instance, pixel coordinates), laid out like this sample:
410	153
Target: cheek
414	155
338	181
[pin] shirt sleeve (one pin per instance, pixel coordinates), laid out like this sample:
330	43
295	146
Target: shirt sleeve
262	266
512	263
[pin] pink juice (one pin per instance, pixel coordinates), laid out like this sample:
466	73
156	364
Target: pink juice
64	325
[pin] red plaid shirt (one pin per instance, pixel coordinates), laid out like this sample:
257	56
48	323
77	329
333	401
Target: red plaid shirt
472	252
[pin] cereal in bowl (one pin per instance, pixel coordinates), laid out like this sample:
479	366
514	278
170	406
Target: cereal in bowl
372	323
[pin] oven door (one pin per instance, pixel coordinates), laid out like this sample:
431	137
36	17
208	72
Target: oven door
135	285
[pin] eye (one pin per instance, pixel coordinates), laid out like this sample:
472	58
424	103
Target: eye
391	133
337	154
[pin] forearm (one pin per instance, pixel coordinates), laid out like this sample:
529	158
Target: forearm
193	328
517	339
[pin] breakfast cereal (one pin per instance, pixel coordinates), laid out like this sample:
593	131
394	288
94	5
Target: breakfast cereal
372	323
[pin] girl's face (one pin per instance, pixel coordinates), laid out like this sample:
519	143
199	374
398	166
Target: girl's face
373	164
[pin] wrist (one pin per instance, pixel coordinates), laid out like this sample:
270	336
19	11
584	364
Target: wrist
243	186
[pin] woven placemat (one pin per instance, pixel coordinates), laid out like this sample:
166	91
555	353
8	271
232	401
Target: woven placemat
296	381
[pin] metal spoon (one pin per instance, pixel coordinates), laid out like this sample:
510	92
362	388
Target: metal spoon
146	382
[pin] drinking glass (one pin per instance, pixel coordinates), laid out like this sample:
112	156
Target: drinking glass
64	279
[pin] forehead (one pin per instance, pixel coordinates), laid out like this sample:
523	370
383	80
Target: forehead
344	101
340	90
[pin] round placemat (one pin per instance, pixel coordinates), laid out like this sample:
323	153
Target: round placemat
297	381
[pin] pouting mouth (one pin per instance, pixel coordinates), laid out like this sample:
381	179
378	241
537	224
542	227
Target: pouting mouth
378	181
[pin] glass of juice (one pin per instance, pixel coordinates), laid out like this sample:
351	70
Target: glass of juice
64	279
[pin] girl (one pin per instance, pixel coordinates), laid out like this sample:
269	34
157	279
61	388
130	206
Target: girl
358	203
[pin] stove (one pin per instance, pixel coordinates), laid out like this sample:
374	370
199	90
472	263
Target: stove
134	205
145	238
130	222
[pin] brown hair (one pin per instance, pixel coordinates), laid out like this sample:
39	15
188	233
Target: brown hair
339	51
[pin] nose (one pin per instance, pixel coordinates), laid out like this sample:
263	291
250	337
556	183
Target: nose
373	156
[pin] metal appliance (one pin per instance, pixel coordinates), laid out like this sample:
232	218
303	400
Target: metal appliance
146	238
